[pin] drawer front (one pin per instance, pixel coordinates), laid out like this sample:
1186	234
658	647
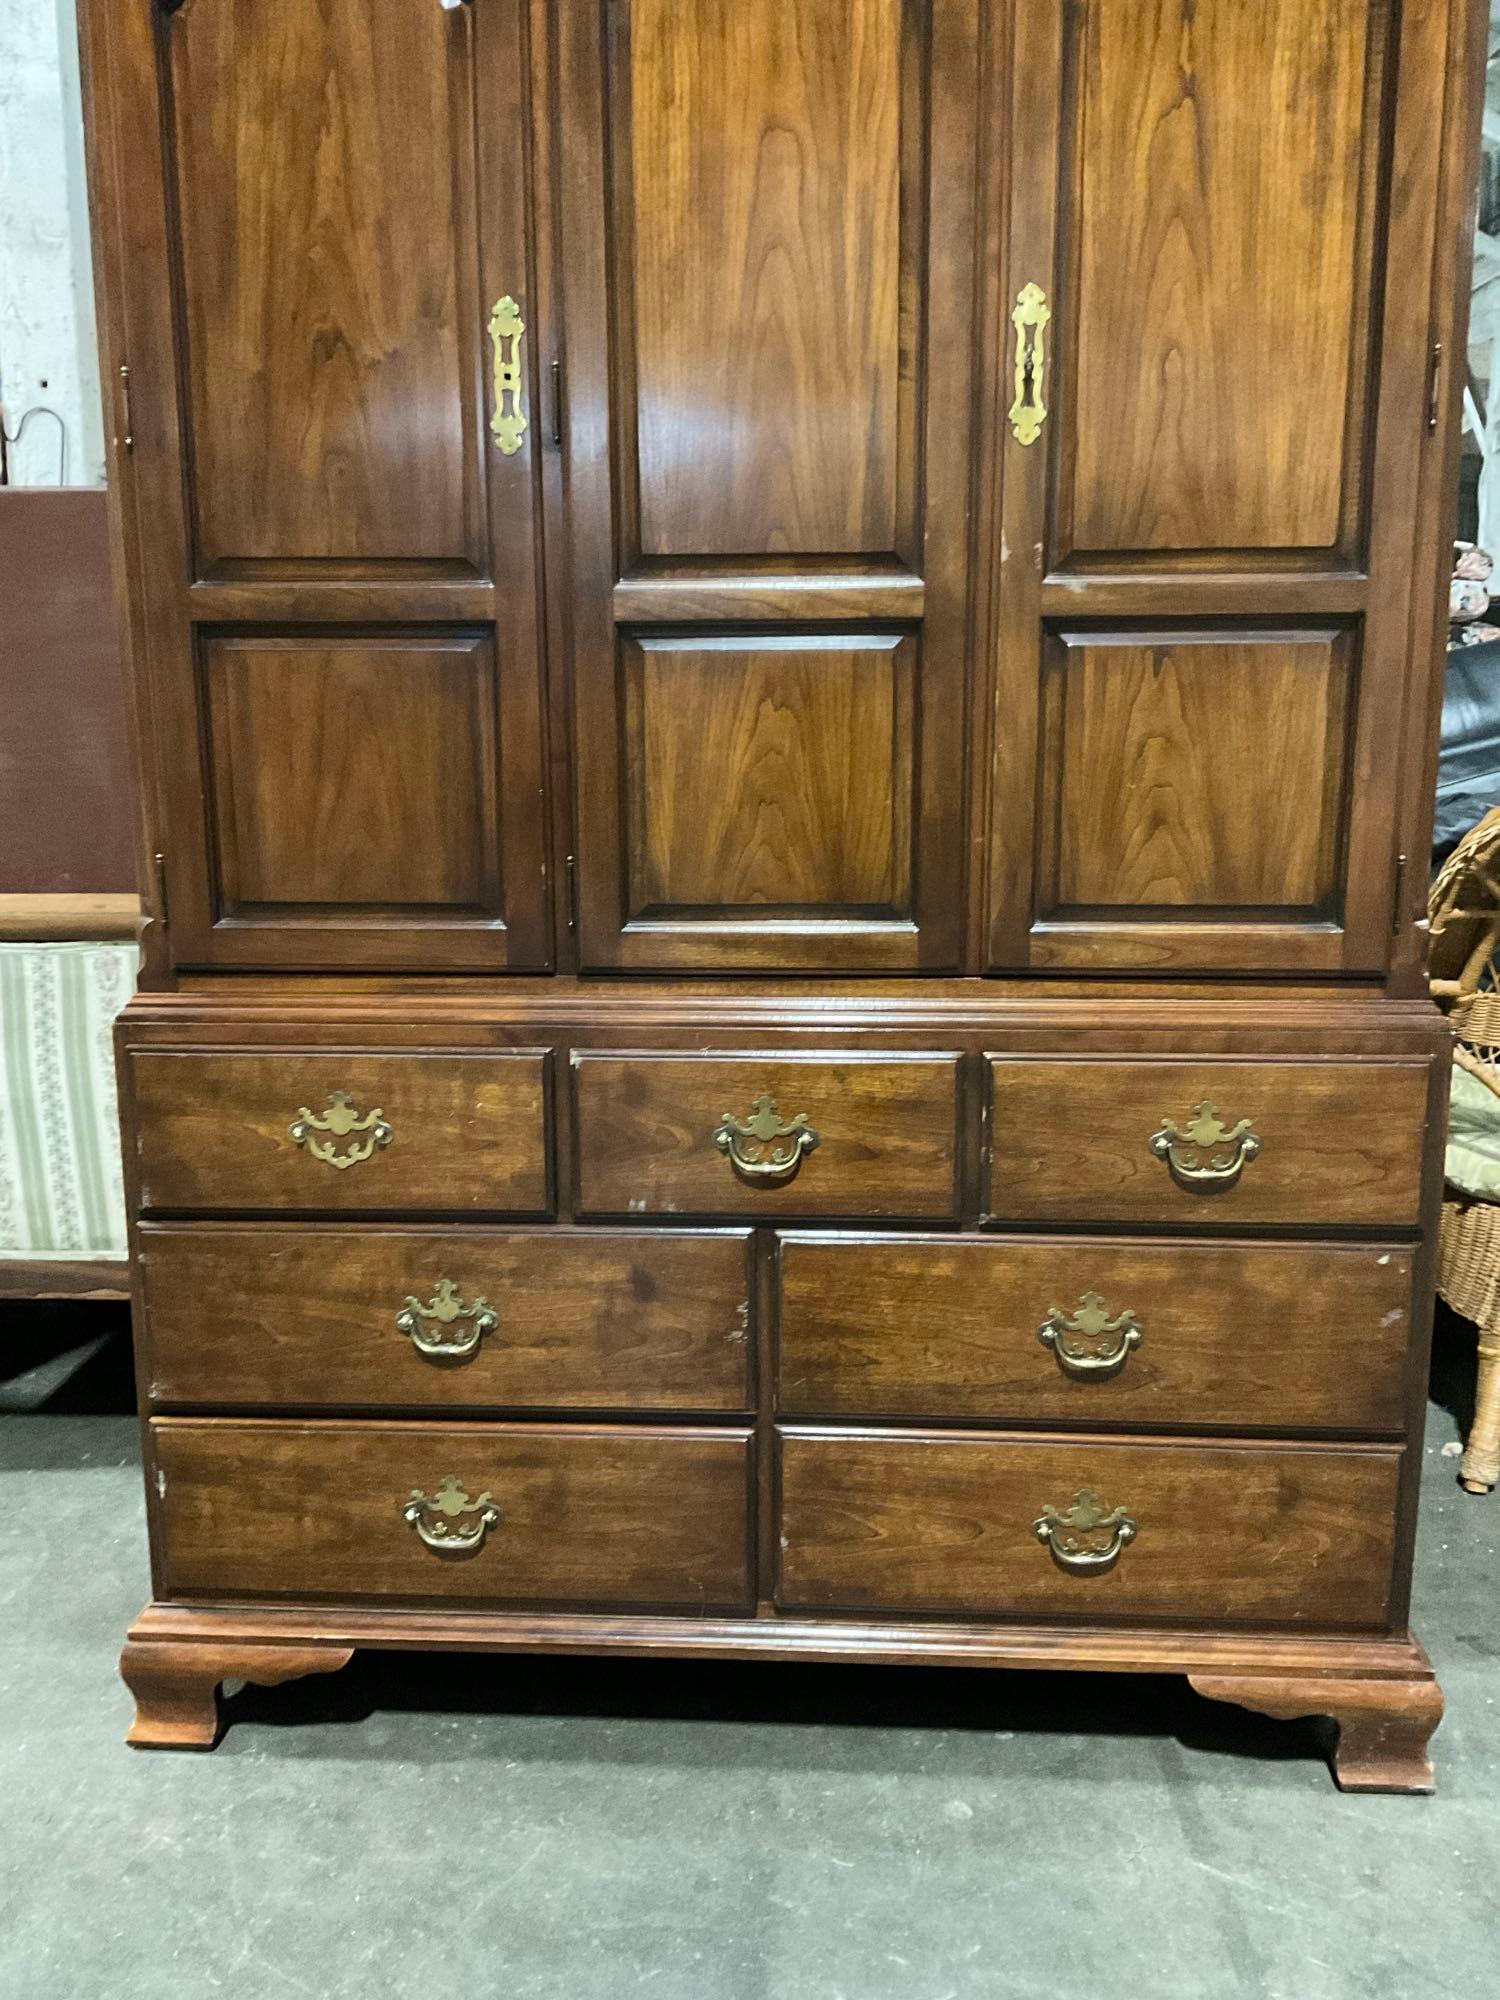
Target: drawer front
1242	1534
493	1514
1220	1143
767	1136
1074	1330
377	1133
445	1319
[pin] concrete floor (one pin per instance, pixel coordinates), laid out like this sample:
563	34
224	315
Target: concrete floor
592	1831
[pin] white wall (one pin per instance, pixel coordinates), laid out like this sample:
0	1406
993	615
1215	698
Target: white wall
47	352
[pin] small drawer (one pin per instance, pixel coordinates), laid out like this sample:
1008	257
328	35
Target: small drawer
494	1514
780	1134
380	1133
989	1527
1077	1330
1220	1143
242	1316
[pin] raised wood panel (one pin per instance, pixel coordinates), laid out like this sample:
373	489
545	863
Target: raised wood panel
327	279
1340	1143
770	774
650	1320
1263	1336
1220	301
468	1133
1238	1535
587	1515
1193	772
765	232
354	774
769	220
886	1129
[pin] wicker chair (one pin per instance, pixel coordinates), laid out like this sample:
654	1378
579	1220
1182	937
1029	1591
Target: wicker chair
1464	907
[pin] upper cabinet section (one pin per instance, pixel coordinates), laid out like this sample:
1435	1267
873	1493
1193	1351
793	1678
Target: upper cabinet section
761	197
322	176
1218	283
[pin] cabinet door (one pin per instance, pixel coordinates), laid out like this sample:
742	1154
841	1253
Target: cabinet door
1213	400
332	498
766	260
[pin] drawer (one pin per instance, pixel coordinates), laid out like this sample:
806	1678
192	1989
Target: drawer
1207	1141
770	1135
1233	1534
445	1319
380	1133
1234	1336
494	1513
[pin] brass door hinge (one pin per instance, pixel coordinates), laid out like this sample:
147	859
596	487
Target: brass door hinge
159	869
572	868
127	421
1399	911
1434	386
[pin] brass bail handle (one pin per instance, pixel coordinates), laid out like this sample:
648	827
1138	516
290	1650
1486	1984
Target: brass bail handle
1086	1538
445	1328
340	1136
437	1518
1205	1155
1088	1344
763	1150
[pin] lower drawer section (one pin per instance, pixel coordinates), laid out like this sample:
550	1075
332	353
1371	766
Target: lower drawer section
491	1514
987	1526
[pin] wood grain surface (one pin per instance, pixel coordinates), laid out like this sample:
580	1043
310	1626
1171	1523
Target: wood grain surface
307	1317
1237	1535
1268	1336
587	1515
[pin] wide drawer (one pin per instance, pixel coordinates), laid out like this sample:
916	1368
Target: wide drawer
1079	1330
418	1319
379	1133
1223	1143
1235	1534
767	1135
513	1514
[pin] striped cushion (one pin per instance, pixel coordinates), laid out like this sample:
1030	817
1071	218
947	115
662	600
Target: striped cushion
60	1184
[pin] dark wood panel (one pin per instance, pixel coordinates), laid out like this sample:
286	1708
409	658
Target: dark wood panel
1193	771
1263	1336
886	1132
327	279
1271	1535
313	1317
765	154
770	774
585	1516
66	795
1339	1142
769	229
354	774
467	1133
1221	314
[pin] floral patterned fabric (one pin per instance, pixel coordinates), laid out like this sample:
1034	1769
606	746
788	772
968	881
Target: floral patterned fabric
60	1180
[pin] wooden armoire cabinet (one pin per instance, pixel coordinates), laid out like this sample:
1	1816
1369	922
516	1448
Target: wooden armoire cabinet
785	661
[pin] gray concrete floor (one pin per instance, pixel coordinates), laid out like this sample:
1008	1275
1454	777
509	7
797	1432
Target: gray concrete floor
590	1831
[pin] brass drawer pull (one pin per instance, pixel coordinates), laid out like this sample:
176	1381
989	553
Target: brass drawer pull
446	1309
1088	1343
1205	1155
342	1121
763	1149
1086	1539
431	1518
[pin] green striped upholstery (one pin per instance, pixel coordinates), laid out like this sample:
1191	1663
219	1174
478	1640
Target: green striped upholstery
60	1188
